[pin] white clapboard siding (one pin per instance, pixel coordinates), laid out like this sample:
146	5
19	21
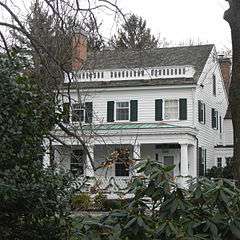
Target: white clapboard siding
228	132
208	137
146	102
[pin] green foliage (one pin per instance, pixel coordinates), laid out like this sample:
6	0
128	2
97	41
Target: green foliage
134	34
34	201
99	201
221	172
209	209
82	201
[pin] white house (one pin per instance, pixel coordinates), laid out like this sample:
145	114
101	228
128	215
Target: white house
166	104
224	150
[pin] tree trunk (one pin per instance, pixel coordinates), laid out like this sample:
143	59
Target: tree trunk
232	16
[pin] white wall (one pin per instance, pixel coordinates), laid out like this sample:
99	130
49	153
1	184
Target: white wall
146	102
228	132
208	137
223	152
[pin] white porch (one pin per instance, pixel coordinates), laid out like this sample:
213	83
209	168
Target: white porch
171	145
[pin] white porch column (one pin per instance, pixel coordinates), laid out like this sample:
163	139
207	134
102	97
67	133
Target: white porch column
136	155
184	160
192	157
184	165
89	171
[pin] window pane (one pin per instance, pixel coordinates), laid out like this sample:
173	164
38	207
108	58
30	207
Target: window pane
171	109
78	113
122	111
76	164
122	114
219	162
121	169
122	104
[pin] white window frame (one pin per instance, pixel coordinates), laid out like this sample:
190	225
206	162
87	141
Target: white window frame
82	108
204	112
164	108
115	110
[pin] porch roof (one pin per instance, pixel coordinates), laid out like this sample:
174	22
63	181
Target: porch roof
125	126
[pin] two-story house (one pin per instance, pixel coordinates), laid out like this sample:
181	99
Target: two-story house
165	104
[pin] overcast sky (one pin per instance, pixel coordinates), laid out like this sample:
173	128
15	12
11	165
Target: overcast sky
181	20
176	20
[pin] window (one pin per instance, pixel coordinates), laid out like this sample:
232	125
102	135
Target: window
77	113
202	161
122	111
228	160
121	164
201	112
219	162
214	85
76	164
171	109
214	119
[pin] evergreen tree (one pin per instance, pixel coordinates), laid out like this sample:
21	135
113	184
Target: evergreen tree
52	52
95	41
134	34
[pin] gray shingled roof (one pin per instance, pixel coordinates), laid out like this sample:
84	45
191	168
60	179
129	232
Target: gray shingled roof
174	56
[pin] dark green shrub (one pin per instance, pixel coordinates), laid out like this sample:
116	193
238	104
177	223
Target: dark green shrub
34	202
114	204
82	201
208	210
221	172
99	201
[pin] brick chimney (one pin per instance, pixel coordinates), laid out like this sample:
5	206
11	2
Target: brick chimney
226	67
79	54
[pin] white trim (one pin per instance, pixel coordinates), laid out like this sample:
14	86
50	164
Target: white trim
115	111
97	90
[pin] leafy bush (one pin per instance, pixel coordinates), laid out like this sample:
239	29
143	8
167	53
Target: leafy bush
221	172
209	209
34	201
82	201
113	204
99	201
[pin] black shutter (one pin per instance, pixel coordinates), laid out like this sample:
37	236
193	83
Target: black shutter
220	124
158	110
88	112
199	111
200	162
182	109
216	119
110	111
66	113
214	85
204	113
133	110
213	119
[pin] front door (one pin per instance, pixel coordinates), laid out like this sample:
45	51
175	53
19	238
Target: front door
169	161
